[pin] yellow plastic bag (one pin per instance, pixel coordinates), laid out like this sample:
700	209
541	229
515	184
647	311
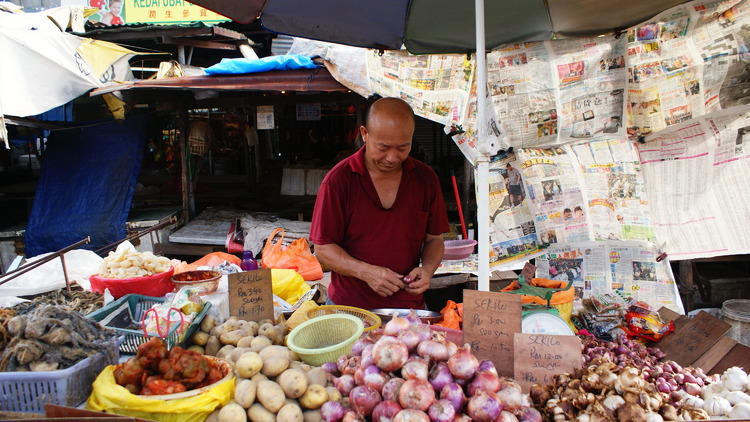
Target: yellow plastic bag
288	285
107	396
300	315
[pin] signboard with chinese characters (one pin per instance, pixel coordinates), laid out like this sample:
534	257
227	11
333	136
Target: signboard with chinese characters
161	12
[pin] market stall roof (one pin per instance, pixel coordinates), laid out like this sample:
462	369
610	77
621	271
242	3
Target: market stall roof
437	26
288	80
196	34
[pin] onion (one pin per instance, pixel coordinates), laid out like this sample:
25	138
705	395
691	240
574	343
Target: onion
391	388
529	414
463	364
359	345
484	381
332	411
331	368
440	376
441	411
423	332
452	348
413	318
416	394
415	368
359	376
511	398
506	416
462	418
351	416
455	395
396	325
389	354
341	363
409	338
433	350
350	366
374	378
411	415
484	407
363	399
487	365
367	359
344	384
385	411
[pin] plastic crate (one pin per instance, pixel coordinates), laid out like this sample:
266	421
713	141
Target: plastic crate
30	391
138	305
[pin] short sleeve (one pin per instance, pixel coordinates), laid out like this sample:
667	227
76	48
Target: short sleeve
328	219
437	222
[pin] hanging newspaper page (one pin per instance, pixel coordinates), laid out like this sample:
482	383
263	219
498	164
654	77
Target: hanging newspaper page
513	236
555	193
614	190
696	182
630	268
436	86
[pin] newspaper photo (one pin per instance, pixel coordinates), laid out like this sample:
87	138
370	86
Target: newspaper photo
631	268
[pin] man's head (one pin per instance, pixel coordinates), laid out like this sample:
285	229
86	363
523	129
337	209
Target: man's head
115	6
387	134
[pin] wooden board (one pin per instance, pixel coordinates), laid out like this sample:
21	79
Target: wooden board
55	411
539	357
251	295
738	356
668	315
690	342
490	321
715	354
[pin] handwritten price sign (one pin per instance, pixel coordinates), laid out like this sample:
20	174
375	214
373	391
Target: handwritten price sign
251	295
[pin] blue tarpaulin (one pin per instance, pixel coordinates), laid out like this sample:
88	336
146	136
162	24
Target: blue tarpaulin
86	186
241	66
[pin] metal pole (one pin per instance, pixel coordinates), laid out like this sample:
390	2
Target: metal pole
483	189
30	266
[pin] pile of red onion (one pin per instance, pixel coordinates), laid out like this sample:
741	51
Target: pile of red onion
623	352
405	372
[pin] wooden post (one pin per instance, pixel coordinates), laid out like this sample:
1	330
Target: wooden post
184	166
467	196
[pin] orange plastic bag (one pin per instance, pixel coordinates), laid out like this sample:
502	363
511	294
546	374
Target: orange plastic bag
296	256
559	298
453	315
211	260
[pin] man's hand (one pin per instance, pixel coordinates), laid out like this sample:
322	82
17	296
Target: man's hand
418	281
382	280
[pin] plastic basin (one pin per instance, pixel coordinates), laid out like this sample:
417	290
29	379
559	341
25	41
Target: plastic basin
325	338
458	249
155	285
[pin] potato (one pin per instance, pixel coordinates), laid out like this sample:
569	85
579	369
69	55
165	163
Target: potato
208	323
198	349
276	350
237	352
212	346
232	412
270	395
305	367
317	376
258	377
245	341
258	413
295	364
200	338
244	393
259	343
265	321
293	382
248	365
281	332
267	330
214	416
232	324
289	413
253	327
225	352
218	330
274	365
312	416
231	337
333	394
314	397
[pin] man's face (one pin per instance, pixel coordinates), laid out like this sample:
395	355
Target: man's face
115	7
387	144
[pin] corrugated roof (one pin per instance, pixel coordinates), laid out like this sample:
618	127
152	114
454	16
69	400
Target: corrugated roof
288	80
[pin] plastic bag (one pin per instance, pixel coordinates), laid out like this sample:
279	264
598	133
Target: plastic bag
107	396
288	285
641	321
179	311
453	315
296	256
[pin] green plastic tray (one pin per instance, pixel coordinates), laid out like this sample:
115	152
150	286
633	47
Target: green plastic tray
138	305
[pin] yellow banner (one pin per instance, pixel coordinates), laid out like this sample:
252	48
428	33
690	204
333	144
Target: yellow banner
164	12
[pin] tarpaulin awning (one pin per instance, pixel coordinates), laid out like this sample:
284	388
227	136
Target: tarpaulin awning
289	80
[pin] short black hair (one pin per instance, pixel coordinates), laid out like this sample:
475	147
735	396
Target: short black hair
577	209
566	210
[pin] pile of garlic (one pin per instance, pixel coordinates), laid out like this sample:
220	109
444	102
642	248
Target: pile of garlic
728	397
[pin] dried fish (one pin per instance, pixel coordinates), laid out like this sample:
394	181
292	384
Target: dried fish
77	299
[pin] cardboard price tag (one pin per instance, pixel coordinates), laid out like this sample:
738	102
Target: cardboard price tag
539	357
490	321
251	295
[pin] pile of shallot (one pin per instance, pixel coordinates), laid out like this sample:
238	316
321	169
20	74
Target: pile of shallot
623	351
405	372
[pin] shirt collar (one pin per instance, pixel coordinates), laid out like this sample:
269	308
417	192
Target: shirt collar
357	164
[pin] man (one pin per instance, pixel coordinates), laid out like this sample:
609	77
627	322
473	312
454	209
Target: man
378	213
514	185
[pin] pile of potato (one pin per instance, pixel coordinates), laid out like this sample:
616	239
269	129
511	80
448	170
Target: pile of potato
272	384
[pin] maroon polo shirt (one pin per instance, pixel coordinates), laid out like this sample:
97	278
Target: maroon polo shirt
348	212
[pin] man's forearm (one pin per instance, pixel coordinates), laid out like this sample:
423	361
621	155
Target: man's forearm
336	258
432	253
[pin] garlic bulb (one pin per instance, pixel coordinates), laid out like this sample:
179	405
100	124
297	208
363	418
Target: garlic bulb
741	411
717	406
734	379
692	402
613	402
713	389
654	417
736	397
